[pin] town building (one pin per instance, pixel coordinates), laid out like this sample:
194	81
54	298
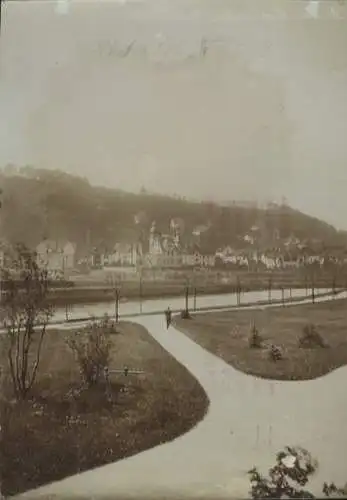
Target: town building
125	254
165	260
56	255
2	254
202	260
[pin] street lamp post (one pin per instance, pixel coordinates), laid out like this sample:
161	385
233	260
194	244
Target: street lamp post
140	291
117	305
67	311
116	296
187	297
269	290
313	291
238	291
192	280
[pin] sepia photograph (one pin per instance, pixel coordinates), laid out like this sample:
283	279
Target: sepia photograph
173	249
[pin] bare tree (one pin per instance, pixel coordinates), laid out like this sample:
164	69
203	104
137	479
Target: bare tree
25	313
92	348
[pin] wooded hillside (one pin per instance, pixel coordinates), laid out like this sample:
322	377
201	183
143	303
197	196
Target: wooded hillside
54	204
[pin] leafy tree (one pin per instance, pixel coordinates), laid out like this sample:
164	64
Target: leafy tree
289	476
25	314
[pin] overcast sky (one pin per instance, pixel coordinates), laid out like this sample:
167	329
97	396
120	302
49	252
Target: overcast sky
262	114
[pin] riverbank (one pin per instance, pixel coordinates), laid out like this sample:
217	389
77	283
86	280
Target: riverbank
60	432
62	297
131	309
227	335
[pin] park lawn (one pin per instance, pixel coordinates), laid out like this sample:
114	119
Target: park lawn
226	334
51	436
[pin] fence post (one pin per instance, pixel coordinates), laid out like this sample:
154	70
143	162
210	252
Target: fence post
187	299
117	305
313	295
67	311
269	290
140	291
194	298
283	301
238	291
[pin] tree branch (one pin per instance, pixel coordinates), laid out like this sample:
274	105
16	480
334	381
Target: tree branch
38	355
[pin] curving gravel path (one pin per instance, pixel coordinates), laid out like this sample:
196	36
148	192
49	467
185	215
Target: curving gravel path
248	421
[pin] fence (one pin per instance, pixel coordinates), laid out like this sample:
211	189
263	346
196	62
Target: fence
192	299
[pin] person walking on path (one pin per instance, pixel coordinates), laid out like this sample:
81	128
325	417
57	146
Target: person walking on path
168	315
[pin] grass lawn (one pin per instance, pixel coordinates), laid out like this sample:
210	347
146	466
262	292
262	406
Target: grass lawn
55	435
226	334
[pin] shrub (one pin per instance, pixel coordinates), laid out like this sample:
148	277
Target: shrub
311	338
255	340
91	347
185	314
332	489
275	353
293	465
108	325
288	477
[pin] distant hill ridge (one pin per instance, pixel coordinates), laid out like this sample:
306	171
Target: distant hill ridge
40	203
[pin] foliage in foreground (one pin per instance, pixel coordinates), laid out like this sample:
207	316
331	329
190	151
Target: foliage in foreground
91	346
255	340
311	337
288	477
275	353
25	313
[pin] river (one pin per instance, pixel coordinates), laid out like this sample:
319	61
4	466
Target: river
135	307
